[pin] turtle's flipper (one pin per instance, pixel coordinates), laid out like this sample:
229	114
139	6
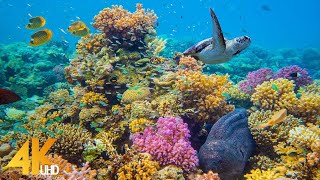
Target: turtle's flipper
217	34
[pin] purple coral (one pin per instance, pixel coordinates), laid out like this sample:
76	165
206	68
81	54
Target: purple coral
254	79
168	144
298	75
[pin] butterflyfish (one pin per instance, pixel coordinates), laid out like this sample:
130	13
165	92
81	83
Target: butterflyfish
36	22
40	37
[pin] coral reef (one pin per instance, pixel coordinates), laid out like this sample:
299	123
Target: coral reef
275	95
298	75
204	94
168	144
254	79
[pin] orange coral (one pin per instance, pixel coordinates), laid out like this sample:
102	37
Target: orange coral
208	176
189	63
120	23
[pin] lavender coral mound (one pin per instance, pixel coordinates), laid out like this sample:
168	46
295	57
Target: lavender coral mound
228	146
298	75
254	79
168	144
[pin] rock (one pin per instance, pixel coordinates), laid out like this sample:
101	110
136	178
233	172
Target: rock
4	149
228	146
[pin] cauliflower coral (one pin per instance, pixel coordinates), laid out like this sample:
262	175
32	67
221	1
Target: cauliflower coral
168	144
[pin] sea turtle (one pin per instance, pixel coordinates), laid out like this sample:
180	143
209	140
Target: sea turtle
217	49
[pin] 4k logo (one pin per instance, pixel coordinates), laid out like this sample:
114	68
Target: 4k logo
21	159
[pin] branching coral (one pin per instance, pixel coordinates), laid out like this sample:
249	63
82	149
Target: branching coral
60	97
205	94
124	27
141	166
258	174
138	125
208	176
92	98
40	116
266	138
169	172
168	144
189	63
167	105
275	95
70	141
156	46
295	73
308	107
254	79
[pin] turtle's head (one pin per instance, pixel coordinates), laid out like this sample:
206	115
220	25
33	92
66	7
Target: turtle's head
241	43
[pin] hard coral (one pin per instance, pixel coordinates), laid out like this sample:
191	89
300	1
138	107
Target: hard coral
208	176
168	144
295	73
141	166
189	63
138	125
308	107
125	26
136	93
169	172
254	79
258	174
204	94
92	98
275	95
266	138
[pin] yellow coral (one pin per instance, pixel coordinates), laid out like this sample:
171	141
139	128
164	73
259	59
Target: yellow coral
40	114
140	167
136	93
308	107
14	114
157	46
235	93
275	95
60	97
92	98
204	94
138	125
303	136
258	174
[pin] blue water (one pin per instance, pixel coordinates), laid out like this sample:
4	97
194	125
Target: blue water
287	24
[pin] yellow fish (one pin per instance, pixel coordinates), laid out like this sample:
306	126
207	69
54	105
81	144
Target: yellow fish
36	22
82	33
276	118
40	37
78	28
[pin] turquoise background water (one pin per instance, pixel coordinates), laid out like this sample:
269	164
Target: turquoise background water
288	23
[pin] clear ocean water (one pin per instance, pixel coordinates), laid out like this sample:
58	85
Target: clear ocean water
285	24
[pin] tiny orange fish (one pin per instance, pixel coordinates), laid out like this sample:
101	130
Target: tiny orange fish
36	22
40	37
276	118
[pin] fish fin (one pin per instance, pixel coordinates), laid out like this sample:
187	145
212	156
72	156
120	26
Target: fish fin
217	34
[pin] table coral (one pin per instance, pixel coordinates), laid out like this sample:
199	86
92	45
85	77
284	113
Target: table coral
275	95
168	144
204	93
141	166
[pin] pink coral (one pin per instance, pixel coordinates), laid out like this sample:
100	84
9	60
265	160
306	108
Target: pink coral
168	144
